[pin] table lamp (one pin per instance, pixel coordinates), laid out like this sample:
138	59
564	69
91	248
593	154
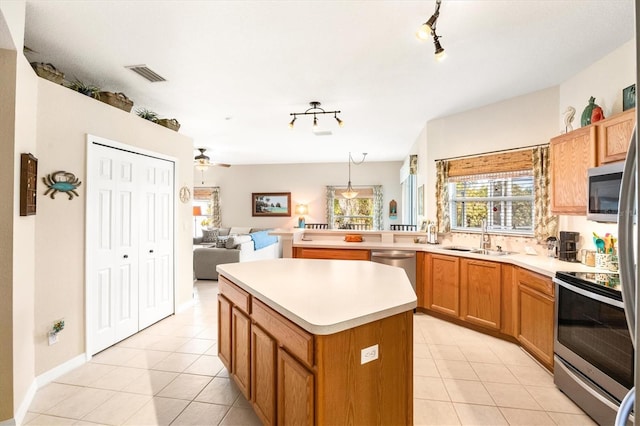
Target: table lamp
301	209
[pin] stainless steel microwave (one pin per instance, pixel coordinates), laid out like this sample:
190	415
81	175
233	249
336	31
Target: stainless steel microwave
603	192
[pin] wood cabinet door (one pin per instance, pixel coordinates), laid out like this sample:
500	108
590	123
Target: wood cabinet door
535	323
614	135
263	375
572	154
224	331
240	350
443	284
480	292
296	397
325	253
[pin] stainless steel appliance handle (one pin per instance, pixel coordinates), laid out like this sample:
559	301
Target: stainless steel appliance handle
625	408
587	293
582	384
625	239
392	255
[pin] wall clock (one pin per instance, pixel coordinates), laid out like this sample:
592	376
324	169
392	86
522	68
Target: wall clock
185	194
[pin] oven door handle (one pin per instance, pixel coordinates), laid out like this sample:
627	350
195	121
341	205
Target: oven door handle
589	294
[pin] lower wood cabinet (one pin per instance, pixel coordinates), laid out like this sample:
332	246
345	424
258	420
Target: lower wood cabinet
481	292
442	293
535	315
240	350
295	391
263	375
224	331
325	253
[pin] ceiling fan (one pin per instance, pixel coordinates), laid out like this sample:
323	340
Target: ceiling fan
202	161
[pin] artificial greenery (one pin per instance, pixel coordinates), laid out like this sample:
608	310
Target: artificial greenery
86	89
147	114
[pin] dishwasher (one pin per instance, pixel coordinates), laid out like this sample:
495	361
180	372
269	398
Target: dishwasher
401	258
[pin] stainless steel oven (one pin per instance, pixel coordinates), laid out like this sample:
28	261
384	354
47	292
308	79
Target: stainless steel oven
594	356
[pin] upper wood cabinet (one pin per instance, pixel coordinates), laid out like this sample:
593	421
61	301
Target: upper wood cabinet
613	136
572	154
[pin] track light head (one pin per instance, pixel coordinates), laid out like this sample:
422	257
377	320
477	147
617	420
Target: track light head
292	121
340	122
427	28
439	52
315	122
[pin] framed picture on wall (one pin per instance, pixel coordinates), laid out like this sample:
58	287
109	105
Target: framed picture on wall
421	200
629	97
271	204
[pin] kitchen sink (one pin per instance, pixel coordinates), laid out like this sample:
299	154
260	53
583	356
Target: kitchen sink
459	248
486	252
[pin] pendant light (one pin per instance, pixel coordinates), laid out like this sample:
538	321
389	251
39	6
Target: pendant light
350	193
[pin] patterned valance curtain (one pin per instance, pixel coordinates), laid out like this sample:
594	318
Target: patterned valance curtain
331	194
413	164
546	224
378	208
442	196
216	214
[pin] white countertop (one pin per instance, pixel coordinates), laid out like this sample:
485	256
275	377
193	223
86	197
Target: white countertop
325	296
537	263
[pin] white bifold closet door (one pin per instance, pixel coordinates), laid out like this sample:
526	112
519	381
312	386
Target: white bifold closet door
130	279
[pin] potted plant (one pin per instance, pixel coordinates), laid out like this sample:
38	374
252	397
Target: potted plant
86	89
147	114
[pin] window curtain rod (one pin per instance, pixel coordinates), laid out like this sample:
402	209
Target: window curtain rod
522	148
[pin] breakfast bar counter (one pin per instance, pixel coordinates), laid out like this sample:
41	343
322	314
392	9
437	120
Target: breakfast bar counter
312	341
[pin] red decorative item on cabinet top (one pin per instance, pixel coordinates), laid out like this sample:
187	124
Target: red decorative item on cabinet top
597	114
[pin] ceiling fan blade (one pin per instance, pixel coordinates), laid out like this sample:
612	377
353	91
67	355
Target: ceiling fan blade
221	164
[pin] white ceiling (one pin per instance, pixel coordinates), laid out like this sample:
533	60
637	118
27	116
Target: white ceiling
236	69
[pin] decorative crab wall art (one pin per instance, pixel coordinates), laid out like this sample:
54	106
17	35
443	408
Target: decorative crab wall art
61	182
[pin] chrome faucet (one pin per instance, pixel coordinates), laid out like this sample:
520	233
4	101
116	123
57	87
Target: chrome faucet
485	241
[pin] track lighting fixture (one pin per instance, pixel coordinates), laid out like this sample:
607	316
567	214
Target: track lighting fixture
350	193
315	110
429	29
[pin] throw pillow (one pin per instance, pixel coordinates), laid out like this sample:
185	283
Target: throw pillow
224	231
235	240
209	236
221	242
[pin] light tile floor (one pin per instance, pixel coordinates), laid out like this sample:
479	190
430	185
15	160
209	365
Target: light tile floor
170	374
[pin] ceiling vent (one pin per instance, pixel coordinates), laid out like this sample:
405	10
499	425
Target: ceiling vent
146	72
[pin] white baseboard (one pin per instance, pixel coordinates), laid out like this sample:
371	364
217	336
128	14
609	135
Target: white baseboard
39	382
62	369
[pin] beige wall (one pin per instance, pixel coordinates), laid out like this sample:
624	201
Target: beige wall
306	182
65	118
527	120
24	231
7	134
522	121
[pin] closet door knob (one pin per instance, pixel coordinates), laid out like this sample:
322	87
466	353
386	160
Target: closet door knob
126	256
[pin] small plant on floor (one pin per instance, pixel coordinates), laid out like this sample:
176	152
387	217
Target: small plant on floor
147	114
85	89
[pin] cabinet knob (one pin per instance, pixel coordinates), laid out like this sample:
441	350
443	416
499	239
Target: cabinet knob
151	251
126	256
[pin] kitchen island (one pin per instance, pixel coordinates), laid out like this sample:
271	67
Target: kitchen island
319	341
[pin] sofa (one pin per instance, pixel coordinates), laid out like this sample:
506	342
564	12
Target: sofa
231	245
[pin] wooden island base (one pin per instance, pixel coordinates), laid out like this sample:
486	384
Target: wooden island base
291	376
